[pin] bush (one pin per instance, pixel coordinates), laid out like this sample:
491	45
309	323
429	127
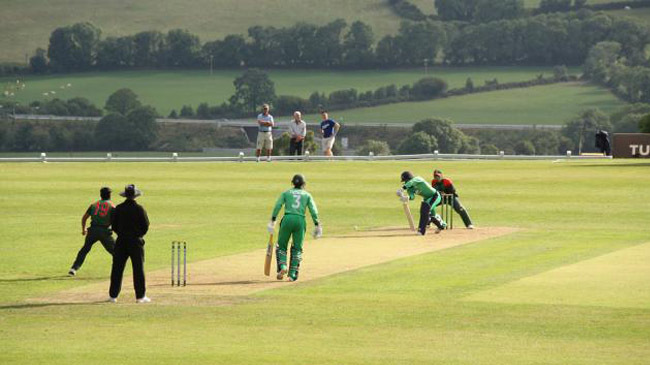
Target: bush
428	88
448	138
378	148
644	124
524	148
418	142
489	149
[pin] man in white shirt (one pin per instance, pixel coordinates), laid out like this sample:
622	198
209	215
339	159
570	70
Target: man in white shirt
264	136
298	131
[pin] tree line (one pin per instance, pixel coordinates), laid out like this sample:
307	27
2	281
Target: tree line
546	39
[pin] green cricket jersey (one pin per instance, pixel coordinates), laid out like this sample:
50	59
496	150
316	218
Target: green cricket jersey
100	213
295	202
419	186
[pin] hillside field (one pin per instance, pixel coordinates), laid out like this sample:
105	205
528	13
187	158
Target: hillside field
27	25
535	295
548	104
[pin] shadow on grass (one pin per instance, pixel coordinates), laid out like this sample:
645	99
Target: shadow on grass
45	305
224	283
44	278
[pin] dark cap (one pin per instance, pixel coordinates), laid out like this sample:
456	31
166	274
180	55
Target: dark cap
130	191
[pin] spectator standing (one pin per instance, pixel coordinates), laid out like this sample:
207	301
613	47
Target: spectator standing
264	136
328	129
298	131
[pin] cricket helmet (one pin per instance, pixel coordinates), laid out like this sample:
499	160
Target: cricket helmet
406	176
298	181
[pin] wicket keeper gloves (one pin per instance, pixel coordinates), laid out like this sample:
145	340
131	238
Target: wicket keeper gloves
318	231
271	227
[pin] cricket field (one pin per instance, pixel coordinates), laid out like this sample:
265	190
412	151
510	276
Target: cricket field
556	271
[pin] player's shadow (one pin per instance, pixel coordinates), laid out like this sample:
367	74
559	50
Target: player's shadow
40	278
44	305
225	283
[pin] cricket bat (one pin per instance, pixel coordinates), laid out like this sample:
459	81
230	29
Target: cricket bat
269	256
407	211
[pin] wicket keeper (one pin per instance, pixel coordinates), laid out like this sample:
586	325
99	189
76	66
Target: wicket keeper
430	200
295	202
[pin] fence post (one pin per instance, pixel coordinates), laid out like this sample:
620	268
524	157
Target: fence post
568	153
43	157
306	155
109	156
175	156
371	156
241	156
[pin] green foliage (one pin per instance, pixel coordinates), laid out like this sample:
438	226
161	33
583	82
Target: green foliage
203	111
187	111
582	129
378	148
644	124
449	139
489	149
122	101
416	143
428	88
524	148
73	48
252	89
357	45
38	62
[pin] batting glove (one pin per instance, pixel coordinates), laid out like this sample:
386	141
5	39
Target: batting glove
271	227
318	231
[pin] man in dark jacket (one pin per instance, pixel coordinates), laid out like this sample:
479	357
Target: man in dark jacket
130	222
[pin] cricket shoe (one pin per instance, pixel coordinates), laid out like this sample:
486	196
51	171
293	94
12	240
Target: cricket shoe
143	300
112	300
282	273
268	158
471	226
293	277
72	272
258	159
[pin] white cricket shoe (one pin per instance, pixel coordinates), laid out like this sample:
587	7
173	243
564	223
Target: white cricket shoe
143	300
471	226
258	159
112	300
72	272
268	158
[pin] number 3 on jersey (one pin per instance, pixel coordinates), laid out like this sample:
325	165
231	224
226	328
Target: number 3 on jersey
296	196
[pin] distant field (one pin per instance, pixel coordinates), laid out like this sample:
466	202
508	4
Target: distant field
167	90
551	104
26	25
642	14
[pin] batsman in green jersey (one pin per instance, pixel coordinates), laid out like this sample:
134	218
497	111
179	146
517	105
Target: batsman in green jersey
430	200
295	201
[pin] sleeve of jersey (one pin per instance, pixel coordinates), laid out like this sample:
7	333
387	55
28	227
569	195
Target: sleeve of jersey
278	206
313	210
449	186
409	189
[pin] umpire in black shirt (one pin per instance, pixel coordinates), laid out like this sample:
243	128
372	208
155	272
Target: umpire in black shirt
130	222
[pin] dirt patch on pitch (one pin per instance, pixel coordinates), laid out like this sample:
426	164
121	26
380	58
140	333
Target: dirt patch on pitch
231	279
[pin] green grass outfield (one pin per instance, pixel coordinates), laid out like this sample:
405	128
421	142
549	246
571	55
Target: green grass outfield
167	90
548	104
414	310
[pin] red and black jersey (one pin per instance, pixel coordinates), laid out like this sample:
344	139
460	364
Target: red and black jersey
444	186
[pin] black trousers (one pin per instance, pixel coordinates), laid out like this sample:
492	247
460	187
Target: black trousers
93	235
125	248
295	147
462	212
425	217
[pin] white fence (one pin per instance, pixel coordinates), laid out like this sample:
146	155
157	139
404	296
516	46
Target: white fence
174	157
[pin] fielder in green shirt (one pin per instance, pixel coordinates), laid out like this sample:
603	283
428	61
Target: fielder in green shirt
430	200
295	201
